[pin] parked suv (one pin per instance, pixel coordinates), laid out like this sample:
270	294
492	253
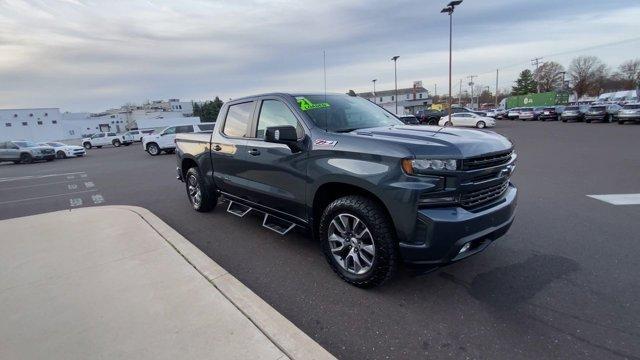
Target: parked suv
604	113
25	152
526	113
372	190
574	113
548	113
101	139
629	112
155	144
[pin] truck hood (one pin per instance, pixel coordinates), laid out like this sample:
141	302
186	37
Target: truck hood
440	141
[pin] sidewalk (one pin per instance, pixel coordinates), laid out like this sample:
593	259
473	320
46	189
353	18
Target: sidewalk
117	282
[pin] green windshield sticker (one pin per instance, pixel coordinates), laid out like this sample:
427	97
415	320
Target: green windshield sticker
305	104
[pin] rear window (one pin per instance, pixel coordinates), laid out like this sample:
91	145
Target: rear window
184	129
637	106
572	108
598	108
237	121
526	109
206	127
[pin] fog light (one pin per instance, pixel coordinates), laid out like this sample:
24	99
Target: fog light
465	247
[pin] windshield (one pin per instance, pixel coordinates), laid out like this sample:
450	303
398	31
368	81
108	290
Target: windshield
25	144
55	144
342	113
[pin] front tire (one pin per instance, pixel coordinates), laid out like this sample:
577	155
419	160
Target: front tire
200	198
26	158
481	125
153	149
448	123
61	155
358	241
87	145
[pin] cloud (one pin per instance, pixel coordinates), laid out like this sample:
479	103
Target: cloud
85	55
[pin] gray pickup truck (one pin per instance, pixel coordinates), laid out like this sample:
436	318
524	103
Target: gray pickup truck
373	191
25	152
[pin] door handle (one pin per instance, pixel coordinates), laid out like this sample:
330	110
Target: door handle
254	152
217	147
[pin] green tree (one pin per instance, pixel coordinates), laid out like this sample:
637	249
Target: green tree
525	84
208	111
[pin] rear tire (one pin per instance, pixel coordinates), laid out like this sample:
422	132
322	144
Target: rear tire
481	125
371	241
448	123
116	143
61	155
153	149
201	199
87	145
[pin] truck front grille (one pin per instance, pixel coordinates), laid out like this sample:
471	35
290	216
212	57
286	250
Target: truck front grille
481	162
483	196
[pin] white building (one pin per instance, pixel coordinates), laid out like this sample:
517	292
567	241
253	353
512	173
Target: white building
410	100
38	124
79	125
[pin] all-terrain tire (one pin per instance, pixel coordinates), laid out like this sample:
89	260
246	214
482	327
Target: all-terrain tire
207	199
377	221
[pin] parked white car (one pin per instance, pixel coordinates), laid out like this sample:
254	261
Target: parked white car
467	119
64	151
101	139
155	144
135	135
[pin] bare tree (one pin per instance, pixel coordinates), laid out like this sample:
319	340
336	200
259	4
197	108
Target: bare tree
587	74
629	73
549	76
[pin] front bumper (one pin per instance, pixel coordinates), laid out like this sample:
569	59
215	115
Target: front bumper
595	117
548	117
446	231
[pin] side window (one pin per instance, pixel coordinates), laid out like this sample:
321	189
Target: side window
276	113
184	129
238	118
111	134
169	131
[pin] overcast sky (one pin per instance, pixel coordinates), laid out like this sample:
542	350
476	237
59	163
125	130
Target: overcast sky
91	55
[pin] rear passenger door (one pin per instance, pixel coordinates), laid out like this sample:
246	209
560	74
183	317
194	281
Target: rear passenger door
228	146
273	175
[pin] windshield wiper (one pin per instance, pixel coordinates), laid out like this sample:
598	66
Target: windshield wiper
346	130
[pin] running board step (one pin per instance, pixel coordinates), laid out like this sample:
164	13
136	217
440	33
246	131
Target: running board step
238	209
276	224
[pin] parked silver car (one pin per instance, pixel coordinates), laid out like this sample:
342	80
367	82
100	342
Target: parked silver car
25	152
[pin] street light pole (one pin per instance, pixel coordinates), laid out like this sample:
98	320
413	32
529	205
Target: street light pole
374	89
449	10
395	75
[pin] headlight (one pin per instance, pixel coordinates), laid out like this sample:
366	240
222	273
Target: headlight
424	166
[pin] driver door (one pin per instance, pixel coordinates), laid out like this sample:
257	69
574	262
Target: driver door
275	176
167	137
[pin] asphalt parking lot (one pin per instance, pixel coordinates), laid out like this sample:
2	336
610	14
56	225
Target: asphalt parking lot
563	283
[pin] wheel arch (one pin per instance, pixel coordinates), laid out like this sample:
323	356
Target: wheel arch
330	191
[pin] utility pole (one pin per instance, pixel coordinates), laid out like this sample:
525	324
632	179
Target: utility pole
471	83
435	89
536	62
496	88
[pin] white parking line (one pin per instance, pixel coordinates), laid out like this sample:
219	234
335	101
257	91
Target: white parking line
72	186
36	185
37	176
44	197
618	199
89	184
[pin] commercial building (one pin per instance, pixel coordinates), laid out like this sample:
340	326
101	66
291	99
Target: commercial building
46	124
410	100
38	124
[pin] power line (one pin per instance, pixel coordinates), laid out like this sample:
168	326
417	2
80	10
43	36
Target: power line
624	41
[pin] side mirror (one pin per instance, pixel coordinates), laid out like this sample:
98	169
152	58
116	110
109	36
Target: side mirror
283	135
